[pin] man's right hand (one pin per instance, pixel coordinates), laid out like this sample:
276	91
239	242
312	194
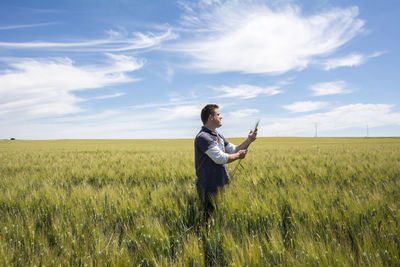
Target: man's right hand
242	153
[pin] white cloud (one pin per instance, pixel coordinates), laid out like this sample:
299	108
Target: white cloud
251	37
115	43
181	111
247	91
169	74
20	26
183	121
344	117
351	60
44	87
116	34
347	61
330	88
79	118
109	96
180	121
305	106
243	113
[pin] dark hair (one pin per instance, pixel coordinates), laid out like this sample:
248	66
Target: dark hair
208	110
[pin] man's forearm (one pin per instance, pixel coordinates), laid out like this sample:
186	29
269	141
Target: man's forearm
235	156
244	145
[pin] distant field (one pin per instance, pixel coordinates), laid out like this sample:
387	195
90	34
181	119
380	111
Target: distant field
297	201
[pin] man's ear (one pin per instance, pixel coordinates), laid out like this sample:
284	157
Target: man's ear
212	117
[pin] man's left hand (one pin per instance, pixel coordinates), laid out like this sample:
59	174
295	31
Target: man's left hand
252	135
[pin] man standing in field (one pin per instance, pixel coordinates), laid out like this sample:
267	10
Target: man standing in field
212	153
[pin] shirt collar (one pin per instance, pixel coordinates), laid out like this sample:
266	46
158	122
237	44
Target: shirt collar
205	129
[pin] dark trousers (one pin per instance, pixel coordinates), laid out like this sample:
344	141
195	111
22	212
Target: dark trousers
206	199
207	207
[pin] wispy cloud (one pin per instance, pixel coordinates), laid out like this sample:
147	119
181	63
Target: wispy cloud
181	111
21	26
305	106
112	44
251	37
247	91
152	123
89	118
44	87
330	88
169	73
108	96
109	125
351	60
180	121
343	117
243	113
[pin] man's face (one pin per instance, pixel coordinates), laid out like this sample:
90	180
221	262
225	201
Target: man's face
216	118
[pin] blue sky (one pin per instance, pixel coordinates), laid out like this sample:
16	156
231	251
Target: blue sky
144	69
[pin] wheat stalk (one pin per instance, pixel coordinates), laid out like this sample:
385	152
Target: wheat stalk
240	160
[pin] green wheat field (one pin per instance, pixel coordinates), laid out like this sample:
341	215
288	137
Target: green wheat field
295	202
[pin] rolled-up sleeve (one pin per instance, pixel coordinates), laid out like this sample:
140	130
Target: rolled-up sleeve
217	155
230	148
